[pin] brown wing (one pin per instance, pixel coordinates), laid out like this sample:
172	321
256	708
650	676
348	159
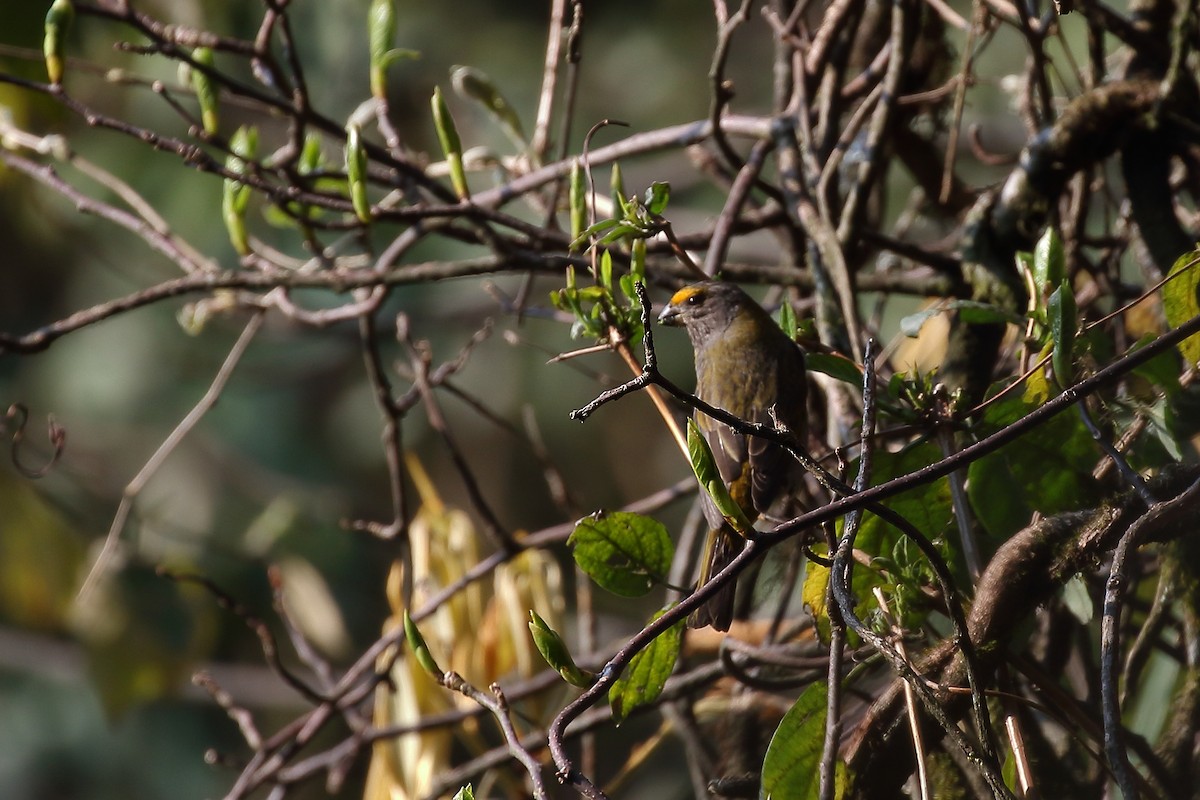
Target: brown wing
772	468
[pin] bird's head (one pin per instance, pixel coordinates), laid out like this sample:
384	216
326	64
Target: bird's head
706	309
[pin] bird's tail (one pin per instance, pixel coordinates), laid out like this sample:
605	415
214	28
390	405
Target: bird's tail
721	546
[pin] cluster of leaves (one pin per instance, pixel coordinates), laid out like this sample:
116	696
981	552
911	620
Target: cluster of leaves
599	312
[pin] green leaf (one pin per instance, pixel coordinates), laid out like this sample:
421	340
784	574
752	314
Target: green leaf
705	468
657	196
637	262
643	680
235	195
465	793
577	198
310	155
839	367
792	767
815	594
399	54
474	84
627	286
1049	262
606	270
1064	323
617	190
356	173
420	650
1181	303
447	134
1047	470
625	553
602	226
381	30
787	320
557	654
242	147
206	91
58	22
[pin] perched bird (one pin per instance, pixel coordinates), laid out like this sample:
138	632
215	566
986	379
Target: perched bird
746	365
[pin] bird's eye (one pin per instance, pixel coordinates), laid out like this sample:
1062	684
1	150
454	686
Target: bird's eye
695	299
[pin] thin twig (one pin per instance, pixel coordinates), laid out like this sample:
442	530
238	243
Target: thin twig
148	470
833	706
1110	634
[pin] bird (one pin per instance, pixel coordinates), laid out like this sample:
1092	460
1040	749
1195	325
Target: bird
745	365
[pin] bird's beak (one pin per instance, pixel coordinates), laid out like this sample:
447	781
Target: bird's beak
670	316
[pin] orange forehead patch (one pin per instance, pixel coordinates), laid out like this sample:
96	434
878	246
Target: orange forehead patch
683	294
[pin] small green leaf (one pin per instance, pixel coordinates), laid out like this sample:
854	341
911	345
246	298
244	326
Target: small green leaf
465	793
792	767
839	367
578	204
381	30
58	22
235	195
617	190
447	134
603	226
657	196
705	469
356	173
206	91
625	553
637	261
310	154
647	673
627	287
400	54
1049	262
474	84
787	320
557	654
815	594
1064	324
606	270
420	651
242	147
1181	303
